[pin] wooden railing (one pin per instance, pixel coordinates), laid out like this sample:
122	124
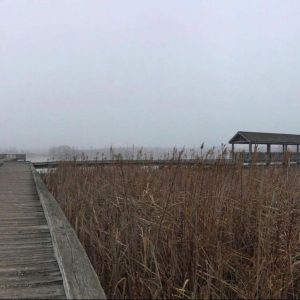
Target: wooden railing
13	156
158	163
263	156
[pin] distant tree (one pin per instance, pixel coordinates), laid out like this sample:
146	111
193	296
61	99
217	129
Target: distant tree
63	152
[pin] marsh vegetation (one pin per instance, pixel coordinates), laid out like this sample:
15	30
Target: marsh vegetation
186	232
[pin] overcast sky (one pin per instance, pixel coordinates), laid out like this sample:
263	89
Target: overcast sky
149	73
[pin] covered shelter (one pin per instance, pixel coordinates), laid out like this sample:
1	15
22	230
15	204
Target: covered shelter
268	139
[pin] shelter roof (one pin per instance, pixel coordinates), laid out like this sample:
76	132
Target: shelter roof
246	137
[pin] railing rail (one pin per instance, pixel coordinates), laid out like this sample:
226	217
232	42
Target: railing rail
87	163
264	157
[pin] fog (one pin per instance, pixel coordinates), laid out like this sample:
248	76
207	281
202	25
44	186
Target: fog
153	73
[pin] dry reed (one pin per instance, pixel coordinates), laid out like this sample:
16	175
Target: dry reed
186	232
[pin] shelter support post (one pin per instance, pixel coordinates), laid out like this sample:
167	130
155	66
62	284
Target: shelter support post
297	158
250	152
232	151
283	149
268	153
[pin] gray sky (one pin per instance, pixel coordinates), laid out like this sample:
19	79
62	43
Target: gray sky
149	73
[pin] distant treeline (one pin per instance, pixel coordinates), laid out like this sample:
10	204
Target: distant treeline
69	153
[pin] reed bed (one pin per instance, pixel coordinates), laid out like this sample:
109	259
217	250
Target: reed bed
222	231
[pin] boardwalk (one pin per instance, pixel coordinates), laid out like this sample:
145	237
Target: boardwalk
28	267
40	254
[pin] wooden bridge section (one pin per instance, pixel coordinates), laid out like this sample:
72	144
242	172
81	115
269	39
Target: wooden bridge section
40	256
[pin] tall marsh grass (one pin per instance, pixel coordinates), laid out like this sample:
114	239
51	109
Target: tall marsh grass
186	232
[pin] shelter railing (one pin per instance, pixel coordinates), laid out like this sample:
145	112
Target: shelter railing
264	157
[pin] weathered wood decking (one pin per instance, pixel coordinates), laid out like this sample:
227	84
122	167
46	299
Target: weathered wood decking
28	267
40	255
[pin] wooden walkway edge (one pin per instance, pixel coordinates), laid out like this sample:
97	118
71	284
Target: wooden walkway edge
80	279
40	254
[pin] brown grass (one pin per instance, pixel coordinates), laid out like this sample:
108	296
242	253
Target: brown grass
186	232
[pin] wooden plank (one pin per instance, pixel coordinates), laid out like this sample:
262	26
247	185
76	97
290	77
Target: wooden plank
31	281
33	292
23	253
23	230
22	269
18	219
23	247
23	222
42	262
37	256
36	241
